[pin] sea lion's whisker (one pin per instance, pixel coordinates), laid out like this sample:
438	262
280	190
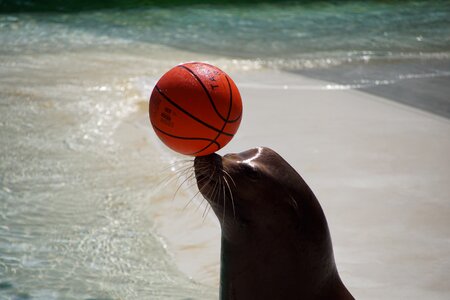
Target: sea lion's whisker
185	175
206	215
193	181
165	181
229	176
176	180
224	199
176	175
176	163
203	190
216	192
204	212
201	168
202	180
231	196
184	170
186	179
213	173
200	204
190	200
210	195
175	168
205	185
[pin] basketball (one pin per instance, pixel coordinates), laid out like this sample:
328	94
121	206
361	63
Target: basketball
195	109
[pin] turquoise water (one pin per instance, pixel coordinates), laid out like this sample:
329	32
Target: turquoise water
289	36
80	183
79	193
411	39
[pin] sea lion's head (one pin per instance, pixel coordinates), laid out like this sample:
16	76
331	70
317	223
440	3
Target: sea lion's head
256	188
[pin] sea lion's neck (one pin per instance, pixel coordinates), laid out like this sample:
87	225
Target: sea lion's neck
278	269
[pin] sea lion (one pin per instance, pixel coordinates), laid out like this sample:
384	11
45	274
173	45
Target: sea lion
275	238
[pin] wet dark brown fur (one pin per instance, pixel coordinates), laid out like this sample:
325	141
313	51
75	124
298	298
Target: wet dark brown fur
275	238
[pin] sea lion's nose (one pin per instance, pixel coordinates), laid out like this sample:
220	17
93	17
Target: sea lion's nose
207	159
206	166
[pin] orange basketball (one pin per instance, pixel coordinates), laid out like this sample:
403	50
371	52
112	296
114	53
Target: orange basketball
195	109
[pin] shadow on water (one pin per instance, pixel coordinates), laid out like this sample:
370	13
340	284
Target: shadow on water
8	289
417	83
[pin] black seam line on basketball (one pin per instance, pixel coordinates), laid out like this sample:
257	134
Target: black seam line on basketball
231	103
225	123
207	94
187	138
190	115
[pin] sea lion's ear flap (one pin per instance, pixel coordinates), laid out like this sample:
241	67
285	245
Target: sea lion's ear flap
293	202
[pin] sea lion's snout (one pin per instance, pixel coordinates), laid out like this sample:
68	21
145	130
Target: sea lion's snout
232	170
207	169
